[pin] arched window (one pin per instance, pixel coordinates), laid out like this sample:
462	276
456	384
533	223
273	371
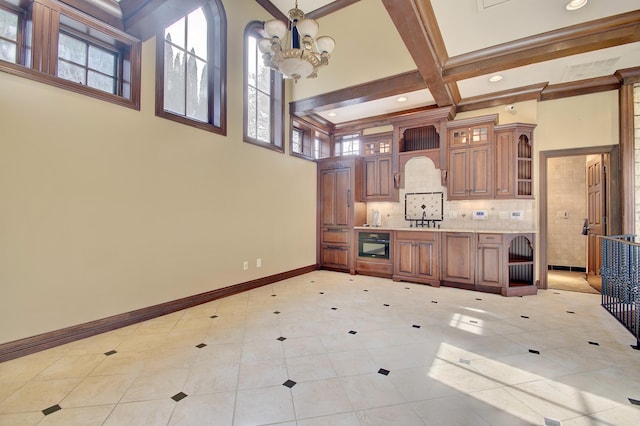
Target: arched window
191	69
263	95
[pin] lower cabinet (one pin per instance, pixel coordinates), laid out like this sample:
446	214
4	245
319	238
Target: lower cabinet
335	248
416	257
490	261
459	258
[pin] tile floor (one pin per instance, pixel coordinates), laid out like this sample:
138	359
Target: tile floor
570	281
330	348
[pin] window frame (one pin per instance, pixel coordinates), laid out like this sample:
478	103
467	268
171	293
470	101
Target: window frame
310	134
276	102
41	64
217	74
339	140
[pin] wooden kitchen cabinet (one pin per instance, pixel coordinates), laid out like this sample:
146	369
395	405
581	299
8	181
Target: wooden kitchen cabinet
339	210
378	179
470	158
514	160
378	168
490	262
458	258
417	257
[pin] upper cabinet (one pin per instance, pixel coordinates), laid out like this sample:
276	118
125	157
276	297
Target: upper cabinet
514	160
470	160
485	160
378	168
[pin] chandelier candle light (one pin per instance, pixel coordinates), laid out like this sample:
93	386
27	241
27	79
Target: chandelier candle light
306	53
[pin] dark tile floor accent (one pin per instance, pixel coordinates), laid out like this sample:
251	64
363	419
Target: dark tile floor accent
201	345
416	326
533	351
179	396
634	401
51	409
594	343
551	422
282	339
434	301
465	361
524	316
213	316
334	309
276	312
384	372
386	304
113	352
352	332
570	312
289	384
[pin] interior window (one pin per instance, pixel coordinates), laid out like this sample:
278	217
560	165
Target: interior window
9	35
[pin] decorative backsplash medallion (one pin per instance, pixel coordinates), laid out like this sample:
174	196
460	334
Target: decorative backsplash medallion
423	205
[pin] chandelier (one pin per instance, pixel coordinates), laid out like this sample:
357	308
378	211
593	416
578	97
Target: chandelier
303	55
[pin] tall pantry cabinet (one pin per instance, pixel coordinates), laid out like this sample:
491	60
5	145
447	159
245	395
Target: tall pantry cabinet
339	210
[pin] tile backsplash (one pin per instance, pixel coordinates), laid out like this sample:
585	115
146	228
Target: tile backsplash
421	176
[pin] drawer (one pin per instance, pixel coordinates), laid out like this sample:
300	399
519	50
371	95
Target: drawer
335	235
416	235
490	238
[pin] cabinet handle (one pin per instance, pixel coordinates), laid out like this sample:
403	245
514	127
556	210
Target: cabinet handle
348	198
334	229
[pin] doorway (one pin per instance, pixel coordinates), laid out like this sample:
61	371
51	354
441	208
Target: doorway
555	263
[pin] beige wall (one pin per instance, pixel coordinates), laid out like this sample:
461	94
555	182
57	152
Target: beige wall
104	209
566	211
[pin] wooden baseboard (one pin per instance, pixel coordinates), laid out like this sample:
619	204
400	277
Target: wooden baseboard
29	345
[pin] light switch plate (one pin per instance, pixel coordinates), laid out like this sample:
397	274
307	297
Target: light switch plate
516	215
480	214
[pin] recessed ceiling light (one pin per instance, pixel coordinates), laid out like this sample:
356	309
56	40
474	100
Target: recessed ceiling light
575	4
332	114
402	99
495	78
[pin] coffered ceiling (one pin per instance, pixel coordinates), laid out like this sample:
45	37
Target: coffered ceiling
539	48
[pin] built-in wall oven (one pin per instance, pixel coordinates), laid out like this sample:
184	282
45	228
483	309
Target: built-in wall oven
374	244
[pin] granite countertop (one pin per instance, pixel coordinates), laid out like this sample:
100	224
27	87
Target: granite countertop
475	231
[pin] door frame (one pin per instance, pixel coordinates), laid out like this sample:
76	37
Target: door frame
613	200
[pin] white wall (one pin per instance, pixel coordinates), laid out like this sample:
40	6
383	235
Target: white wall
104	209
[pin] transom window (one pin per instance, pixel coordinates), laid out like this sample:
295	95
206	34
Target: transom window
56	44
85	63
9	22
348	144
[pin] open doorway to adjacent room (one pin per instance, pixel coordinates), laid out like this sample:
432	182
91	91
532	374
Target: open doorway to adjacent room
579	202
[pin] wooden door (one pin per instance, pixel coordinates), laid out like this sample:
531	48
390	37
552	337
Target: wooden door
459	257
596	212
457	178
426	259
370	177
343	197
480	180
505	176
490	265
404	262
385	176
328	196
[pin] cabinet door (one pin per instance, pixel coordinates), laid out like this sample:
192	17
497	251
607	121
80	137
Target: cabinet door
370	177
480	179
336	193
505	164
426	258
459	258
490	265
385	176
404	262
457	178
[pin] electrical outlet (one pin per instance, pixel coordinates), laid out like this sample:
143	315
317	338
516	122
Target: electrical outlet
245	265
259	263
